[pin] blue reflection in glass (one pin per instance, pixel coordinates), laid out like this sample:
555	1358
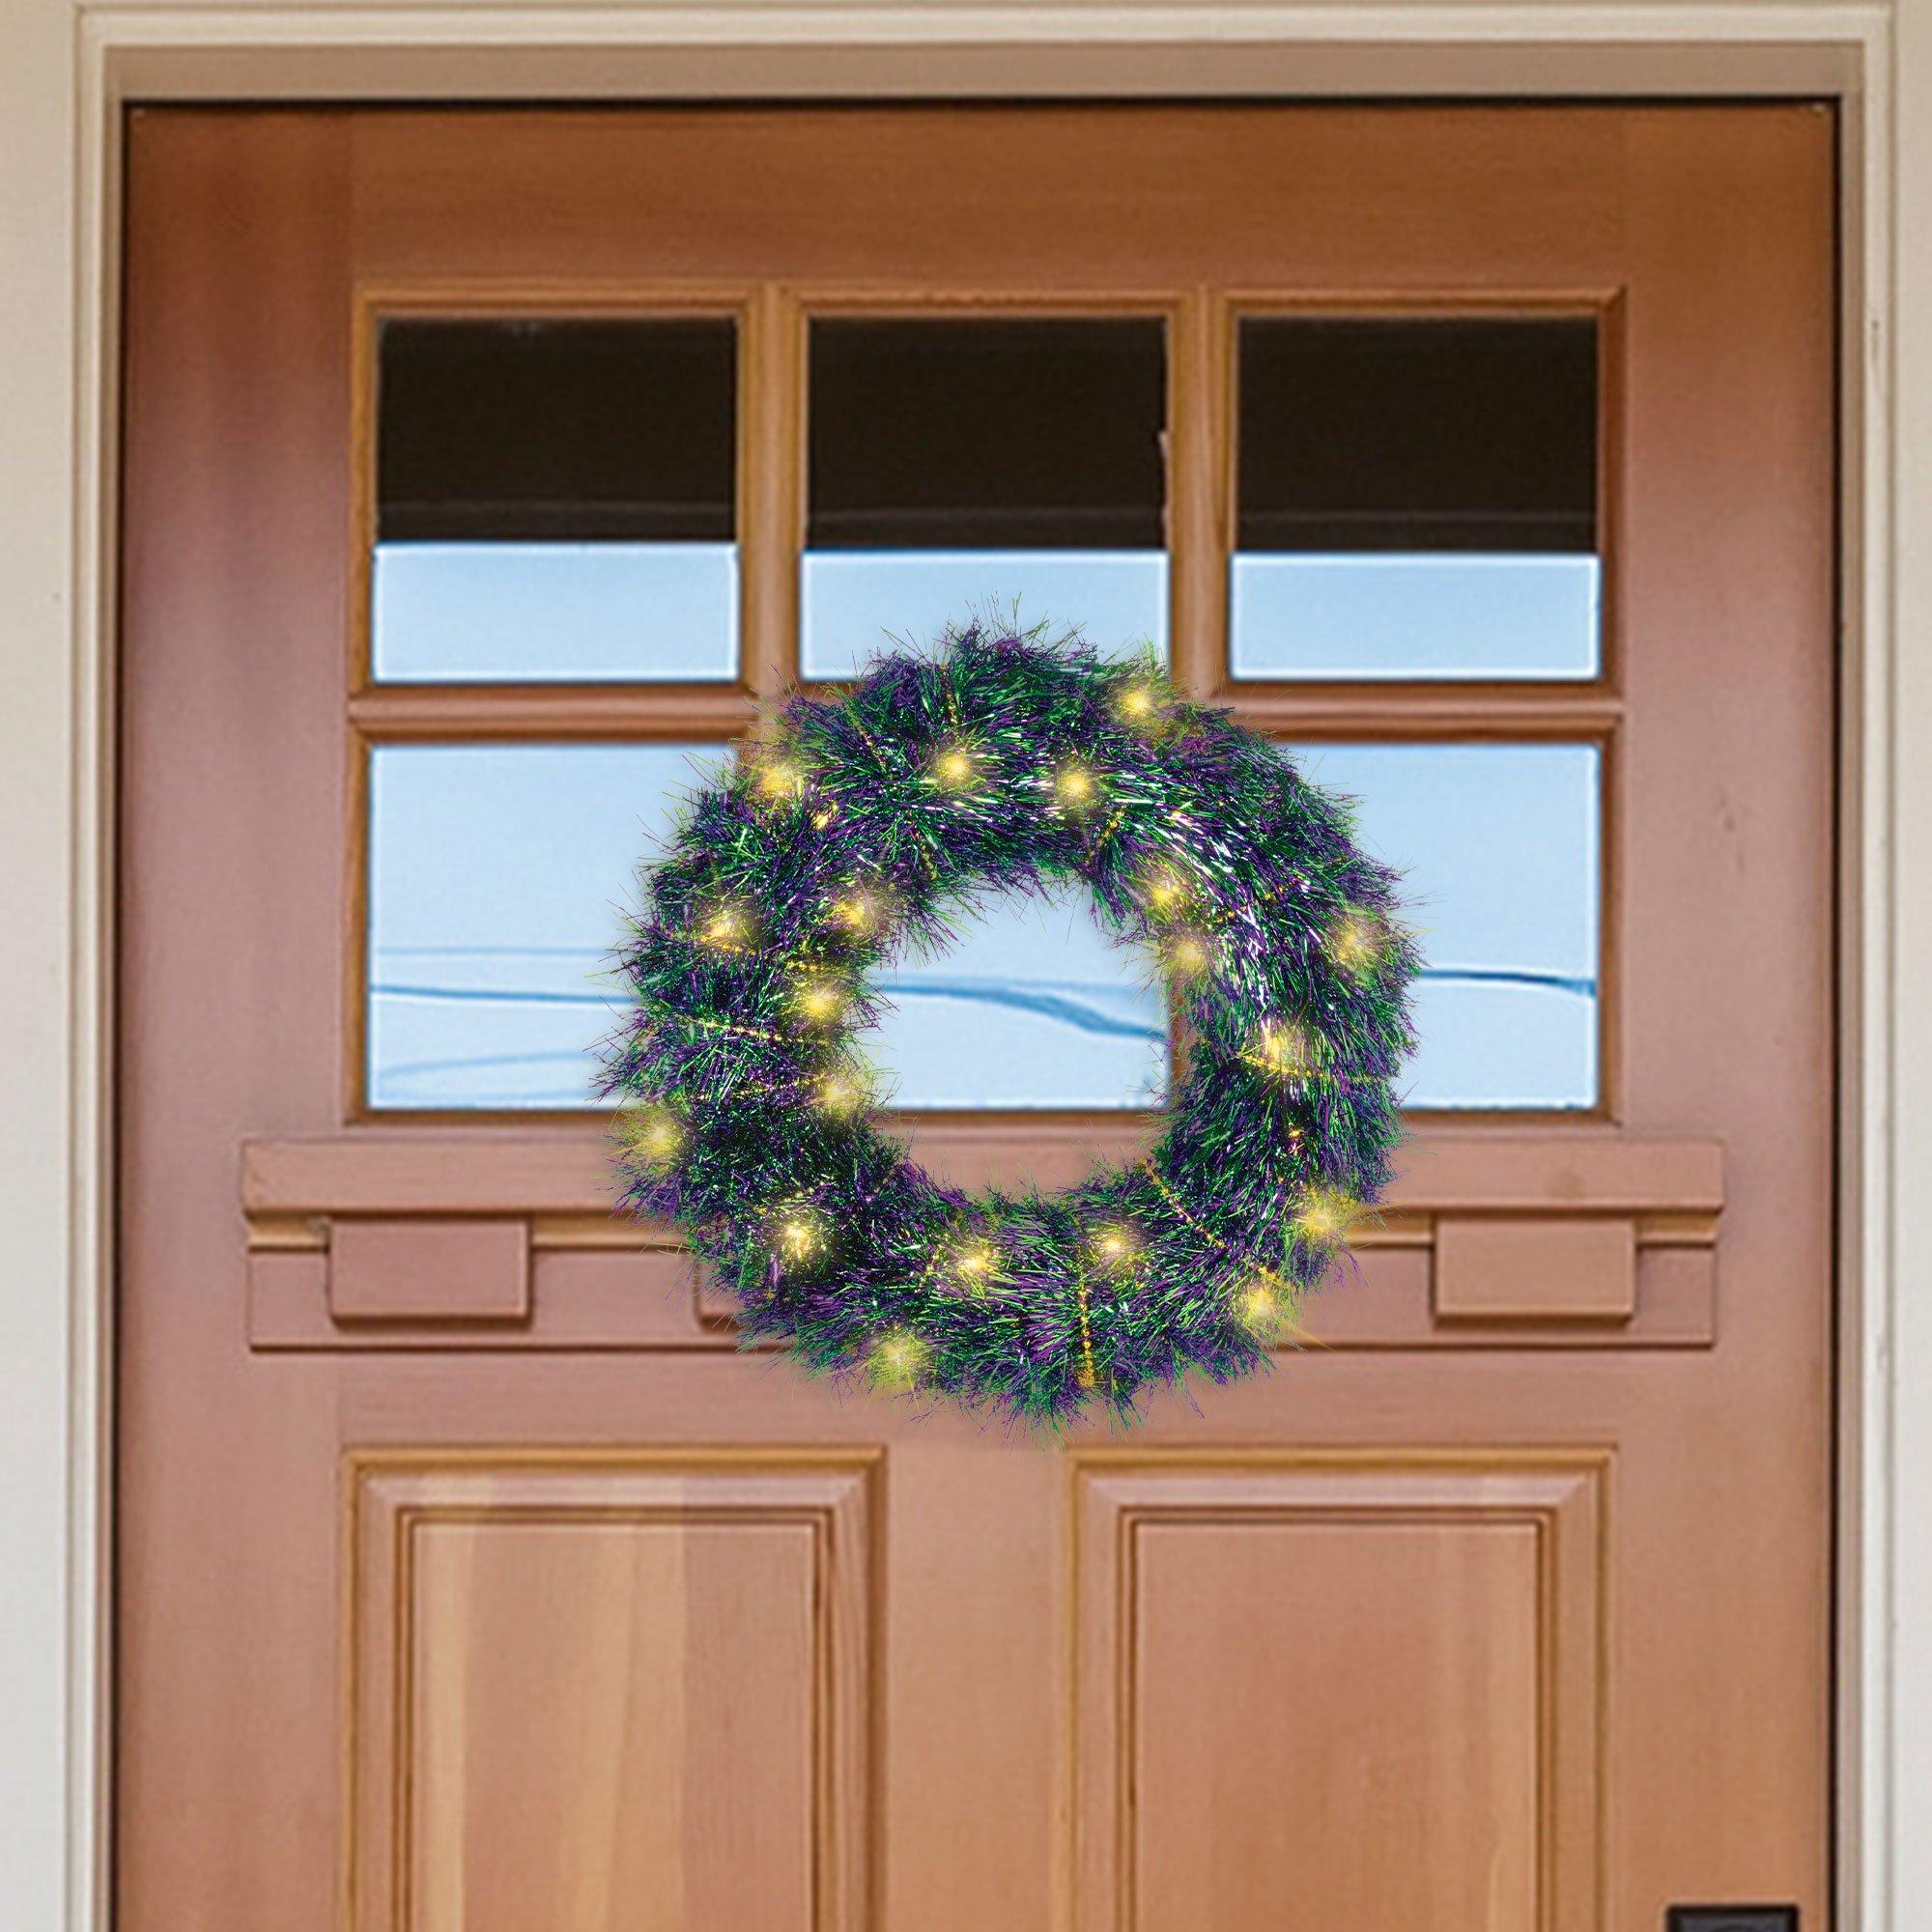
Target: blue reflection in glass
497	879
497	876
1375	614
1032	1005
856	603
1499	845
554	613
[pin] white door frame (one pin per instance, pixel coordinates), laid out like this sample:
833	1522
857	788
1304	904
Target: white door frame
67	68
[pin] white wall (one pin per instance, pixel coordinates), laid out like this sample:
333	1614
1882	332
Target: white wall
1901	1518
37	659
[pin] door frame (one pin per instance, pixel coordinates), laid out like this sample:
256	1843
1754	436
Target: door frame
68	69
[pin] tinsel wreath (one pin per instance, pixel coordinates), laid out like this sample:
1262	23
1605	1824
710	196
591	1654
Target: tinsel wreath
869	825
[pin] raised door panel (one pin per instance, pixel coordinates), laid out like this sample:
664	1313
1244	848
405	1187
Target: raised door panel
1339	1690
601	1692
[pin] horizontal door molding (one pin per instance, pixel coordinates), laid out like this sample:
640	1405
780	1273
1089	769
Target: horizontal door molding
567	1173
372	1239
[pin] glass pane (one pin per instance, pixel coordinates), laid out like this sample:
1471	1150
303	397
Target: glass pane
540	612
1499	845
1401	616
1418	498
855	602
975	467
498	875
1032	1007
554	501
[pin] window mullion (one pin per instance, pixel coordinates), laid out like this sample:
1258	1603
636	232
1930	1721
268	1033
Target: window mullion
771	485
1198	491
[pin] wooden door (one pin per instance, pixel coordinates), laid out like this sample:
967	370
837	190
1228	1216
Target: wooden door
470	1576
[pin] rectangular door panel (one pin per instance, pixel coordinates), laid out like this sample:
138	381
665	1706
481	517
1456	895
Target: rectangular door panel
1293	1664
592	1691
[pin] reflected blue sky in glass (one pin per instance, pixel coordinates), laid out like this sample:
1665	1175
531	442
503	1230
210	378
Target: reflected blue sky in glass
1499	850
498	875
854	603
1373	614
498	878
1032	1007
549	612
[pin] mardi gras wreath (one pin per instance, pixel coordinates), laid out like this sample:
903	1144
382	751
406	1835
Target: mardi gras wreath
869	826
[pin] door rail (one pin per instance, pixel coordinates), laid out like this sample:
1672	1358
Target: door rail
504	1239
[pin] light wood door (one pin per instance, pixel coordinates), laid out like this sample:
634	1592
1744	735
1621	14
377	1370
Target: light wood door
469	1576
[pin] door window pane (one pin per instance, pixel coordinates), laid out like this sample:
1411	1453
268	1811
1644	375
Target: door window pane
1500	850
554	501
1033	1005
1010	469
1417	499
499	877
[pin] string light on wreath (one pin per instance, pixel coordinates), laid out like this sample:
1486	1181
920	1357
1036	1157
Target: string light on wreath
1164	891
1143	702
1186	954
655	1136
1261	1307
777	778
729	927
798	1234
1116	1247
972	1264
898	1359
957	765
841	1094
1076	788
862	910
1354	942
820	1001
1324	1215
867	826
1285	1050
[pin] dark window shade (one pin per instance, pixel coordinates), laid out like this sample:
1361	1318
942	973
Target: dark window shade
1418	433
527	430
987	434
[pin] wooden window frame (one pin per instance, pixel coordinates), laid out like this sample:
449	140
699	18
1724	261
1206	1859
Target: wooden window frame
774	322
